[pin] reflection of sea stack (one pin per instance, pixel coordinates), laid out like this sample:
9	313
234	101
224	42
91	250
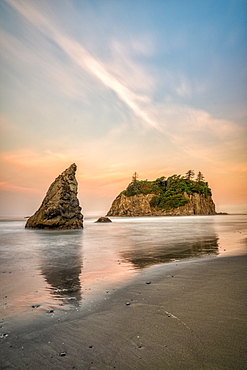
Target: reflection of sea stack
170	251
60	208
61	263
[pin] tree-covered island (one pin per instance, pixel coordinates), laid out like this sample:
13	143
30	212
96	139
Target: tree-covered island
171	192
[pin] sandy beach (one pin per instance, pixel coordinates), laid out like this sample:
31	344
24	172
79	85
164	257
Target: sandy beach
186	315
123	197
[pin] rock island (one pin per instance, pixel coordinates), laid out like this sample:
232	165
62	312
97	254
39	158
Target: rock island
173	196
60	208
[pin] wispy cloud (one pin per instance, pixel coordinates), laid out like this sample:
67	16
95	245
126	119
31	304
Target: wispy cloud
60	76
79	55
131	83
183	87
5	186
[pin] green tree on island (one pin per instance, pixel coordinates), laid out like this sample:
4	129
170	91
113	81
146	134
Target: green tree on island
190	174
134	183
200	177
134	177
171	192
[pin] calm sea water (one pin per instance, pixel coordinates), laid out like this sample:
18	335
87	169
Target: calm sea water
67	269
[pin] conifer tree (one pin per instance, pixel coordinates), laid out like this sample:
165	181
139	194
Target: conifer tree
190	174
134	182
200	177
134	177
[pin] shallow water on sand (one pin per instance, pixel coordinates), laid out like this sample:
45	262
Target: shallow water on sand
61	270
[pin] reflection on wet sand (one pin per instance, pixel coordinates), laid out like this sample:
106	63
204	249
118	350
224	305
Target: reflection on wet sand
169	252
61	255
61	264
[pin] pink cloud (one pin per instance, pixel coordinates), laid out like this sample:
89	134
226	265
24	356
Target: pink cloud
5	186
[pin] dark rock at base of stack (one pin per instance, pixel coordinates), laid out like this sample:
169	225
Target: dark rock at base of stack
60	208
104	219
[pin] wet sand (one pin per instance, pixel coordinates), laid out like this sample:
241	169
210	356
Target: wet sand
184	315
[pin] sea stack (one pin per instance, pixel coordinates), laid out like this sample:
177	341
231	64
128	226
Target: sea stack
60	208
175	196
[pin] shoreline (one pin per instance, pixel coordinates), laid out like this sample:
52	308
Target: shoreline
96	216
189	314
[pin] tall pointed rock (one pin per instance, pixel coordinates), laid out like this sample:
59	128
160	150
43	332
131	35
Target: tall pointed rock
60	208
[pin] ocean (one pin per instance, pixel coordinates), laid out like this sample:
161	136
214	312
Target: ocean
49	271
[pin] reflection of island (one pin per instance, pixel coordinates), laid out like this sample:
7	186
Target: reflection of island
169	252
61	264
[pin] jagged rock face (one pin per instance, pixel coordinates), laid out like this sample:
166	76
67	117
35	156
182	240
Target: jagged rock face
139	205
60	208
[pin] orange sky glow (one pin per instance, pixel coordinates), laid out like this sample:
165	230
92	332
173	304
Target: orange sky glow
117	89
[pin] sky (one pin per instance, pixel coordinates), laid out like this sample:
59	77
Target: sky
156	87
